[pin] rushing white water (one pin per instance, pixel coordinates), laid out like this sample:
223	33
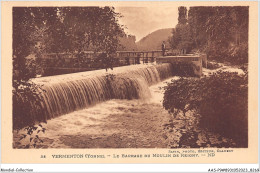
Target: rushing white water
67	93
138	123
108	118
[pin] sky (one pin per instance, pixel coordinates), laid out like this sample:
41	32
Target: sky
141	21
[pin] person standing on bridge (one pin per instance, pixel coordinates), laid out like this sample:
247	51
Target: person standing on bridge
163	48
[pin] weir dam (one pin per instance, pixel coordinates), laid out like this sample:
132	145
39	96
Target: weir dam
70	92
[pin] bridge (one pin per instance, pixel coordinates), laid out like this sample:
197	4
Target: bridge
59	63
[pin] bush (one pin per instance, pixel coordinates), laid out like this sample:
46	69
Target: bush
235	55
220	99
239	54
26	104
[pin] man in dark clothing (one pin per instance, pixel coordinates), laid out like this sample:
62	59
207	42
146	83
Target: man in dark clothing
163	48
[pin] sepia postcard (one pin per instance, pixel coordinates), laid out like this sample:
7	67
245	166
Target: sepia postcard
130	82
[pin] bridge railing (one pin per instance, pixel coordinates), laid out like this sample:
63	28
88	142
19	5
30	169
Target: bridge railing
60	63
89	57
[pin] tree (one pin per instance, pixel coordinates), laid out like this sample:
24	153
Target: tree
29	28
181	38
127	42
34	30
40	30
221	32
182	18
174	40
184	35
91	28
197	19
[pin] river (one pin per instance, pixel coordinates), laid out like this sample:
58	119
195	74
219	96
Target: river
122	123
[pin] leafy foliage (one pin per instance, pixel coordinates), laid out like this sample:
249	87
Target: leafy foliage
181	38
182	18
34	139
127	42
221	32
220	99
181	35
92	27
40	30
30	26
31	35
27	97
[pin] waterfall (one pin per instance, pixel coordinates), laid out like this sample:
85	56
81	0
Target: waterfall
67	93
